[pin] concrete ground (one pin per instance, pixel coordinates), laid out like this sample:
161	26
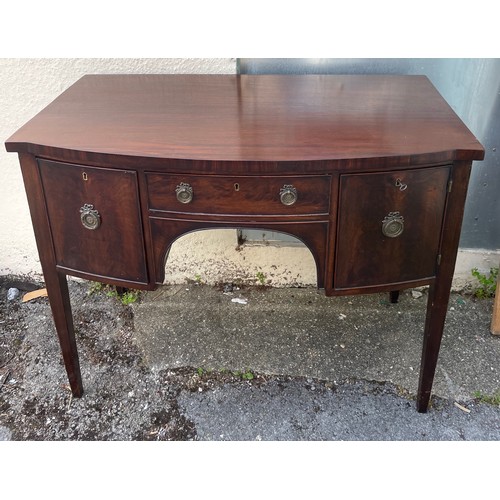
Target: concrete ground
193	362
354	363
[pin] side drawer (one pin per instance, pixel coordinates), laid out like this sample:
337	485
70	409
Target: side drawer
240	195
389	226
95	220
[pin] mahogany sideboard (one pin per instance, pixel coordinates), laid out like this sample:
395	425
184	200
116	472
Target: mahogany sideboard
370	172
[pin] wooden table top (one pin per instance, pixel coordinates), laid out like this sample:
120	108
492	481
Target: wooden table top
282	118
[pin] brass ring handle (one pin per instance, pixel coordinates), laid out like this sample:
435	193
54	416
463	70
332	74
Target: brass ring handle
288	194
184	192
90	217
393	225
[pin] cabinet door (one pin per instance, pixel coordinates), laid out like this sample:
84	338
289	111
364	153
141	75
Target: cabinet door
95	220
389	227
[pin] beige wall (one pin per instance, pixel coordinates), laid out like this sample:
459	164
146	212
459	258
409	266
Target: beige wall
28	85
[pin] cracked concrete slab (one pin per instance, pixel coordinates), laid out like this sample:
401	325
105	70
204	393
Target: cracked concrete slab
302	332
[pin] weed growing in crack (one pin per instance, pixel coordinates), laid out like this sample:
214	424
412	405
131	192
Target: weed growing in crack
490	399
487	284
125	296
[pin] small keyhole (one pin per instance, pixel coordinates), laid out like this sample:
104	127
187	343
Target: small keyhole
85	177
236	186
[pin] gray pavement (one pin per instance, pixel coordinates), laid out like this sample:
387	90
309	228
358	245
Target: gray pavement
336	342
301	332
189	362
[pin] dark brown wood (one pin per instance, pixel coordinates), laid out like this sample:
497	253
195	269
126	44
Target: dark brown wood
365	256
56	284
394	296
116	248
356	148
363	119
439	292
239	195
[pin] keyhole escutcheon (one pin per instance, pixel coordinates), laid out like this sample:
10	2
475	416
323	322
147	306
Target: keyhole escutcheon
401	185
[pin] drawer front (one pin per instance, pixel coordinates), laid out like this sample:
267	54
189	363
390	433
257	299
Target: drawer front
95	221
239	195
389	226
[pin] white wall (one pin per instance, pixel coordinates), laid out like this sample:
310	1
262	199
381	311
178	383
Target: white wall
28	85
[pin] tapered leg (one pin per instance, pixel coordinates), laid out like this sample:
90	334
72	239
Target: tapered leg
437	304
57	289
439	292
394	296
56	283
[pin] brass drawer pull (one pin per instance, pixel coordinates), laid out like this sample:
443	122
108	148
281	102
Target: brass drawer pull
184	192
393	225
90	217
288	194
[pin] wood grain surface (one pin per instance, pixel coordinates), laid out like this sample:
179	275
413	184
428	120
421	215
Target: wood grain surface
249	118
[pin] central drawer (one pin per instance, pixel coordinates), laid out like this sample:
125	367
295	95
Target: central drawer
239	195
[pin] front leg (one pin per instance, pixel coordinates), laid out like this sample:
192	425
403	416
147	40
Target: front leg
437	304
55	282
57	289
439	292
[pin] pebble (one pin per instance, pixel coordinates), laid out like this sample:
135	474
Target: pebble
12	293
239	301
5	433
416	294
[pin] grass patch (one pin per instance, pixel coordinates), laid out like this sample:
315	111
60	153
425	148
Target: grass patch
126	297
485	398
243	375
487	283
